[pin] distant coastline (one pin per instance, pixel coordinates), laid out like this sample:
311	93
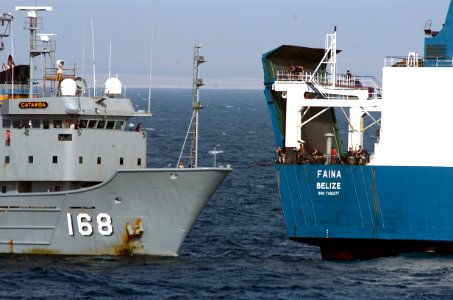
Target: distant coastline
142	81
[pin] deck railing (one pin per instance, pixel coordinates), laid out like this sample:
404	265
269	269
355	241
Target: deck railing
407	61
342	80
18	88
294	158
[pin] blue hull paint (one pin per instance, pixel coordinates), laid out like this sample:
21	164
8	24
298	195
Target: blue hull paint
367	203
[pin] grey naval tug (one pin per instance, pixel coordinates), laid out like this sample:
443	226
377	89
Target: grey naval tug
74	178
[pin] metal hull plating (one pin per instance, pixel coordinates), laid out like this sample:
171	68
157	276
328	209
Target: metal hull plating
135	212
341	207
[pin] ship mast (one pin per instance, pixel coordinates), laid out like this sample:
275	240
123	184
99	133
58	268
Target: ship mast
196	106
35	48
331	45
5	22
329	58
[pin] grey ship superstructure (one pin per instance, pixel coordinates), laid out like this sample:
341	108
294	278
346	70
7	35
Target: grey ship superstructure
74	177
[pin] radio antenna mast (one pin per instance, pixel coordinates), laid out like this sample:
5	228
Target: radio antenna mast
94	65
110	58
196	106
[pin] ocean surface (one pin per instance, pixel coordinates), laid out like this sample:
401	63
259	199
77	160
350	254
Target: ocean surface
238	248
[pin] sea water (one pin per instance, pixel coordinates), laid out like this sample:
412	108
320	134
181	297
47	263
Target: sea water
238	248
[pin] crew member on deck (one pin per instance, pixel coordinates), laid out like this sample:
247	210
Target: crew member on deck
359	155
334	155
350	156
300	72
348	77
292	70
8	137
301	154
10	62
315	152
280	155
316	156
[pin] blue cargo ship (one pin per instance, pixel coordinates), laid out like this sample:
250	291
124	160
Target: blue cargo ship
380	182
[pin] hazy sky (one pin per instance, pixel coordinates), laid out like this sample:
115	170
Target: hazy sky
234	35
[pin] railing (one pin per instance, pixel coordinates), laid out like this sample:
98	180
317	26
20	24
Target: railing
294	157
403	61
40	46
313	85
7	89
342	80
373	84
438	62
324	78
292	76
51	73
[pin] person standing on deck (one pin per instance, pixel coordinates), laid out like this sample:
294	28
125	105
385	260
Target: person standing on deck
334	155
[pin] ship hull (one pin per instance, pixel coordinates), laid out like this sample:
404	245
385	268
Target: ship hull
354	211
148	212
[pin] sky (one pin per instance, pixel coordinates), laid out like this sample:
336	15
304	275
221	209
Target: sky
157	37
